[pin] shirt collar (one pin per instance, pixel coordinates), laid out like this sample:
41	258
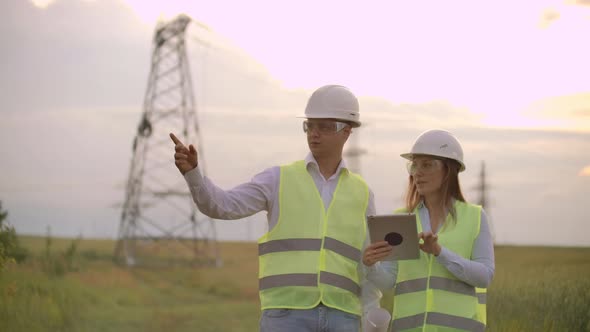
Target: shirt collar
310	160
420	204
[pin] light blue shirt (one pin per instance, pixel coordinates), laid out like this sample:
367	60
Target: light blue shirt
477	271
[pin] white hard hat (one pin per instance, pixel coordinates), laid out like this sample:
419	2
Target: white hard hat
333	102
439	143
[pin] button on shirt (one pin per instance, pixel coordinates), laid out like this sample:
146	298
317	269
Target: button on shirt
262	194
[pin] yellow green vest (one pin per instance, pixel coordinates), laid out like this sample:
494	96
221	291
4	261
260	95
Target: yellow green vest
427	296
311	255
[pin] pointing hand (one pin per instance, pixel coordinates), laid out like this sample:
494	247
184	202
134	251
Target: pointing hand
185	158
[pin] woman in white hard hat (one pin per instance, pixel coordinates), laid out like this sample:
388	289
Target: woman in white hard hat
445	287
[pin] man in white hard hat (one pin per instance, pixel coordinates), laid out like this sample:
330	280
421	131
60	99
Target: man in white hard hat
310	276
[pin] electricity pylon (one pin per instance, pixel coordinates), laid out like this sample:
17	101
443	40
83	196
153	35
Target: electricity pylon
159	221
483	200
354	152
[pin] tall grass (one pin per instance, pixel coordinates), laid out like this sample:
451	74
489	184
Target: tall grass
534	289
35	303
100	296
540	289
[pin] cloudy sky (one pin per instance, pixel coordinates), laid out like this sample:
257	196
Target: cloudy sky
511	80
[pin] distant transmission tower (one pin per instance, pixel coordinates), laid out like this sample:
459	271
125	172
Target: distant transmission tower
354	153
159	221
483	187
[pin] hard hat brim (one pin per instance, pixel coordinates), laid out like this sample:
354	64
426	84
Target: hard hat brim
410	156
353	123
407	155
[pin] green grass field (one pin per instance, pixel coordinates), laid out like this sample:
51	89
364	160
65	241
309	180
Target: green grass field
534	289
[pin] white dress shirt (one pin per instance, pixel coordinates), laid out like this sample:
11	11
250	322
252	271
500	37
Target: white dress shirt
262	194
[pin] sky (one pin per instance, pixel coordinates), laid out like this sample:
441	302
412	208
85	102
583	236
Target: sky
510	79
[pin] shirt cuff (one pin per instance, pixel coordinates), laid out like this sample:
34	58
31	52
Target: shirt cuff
372	268
193	177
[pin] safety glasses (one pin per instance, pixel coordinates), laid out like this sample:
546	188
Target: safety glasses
424	166
323	127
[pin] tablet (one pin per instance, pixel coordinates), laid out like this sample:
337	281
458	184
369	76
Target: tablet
399	230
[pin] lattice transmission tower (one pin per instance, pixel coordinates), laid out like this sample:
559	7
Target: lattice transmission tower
354	152
159	221
483	200
483	185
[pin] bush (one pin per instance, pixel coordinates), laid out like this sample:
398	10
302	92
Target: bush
10	250
7	239
18	253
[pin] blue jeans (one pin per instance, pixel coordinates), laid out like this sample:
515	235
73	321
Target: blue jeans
318	319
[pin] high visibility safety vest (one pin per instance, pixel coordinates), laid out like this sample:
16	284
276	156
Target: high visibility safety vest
427	297
311	255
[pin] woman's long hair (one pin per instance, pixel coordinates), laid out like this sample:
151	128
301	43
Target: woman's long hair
450	188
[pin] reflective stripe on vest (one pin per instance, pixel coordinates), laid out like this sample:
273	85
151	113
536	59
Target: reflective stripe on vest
308	279
482	314
312	254
425	288
289	245
342	248
334	245
435	318
482	298
449	285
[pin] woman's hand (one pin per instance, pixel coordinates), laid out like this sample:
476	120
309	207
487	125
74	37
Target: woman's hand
376	252
430	244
